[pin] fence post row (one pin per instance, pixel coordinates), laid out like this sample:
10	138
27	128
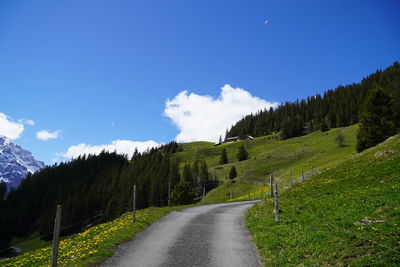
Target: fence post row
56	236
276	203
134	204
271	179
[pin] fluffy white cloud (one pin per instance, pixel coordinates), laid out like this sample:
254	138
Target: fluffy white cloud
202	117
9	128
45	135
125	147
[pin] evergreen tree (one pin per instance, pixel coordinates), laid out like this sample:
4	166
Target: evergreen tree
5	236
232	173
323	126
242	153
183	193
187	174
379	119
224	157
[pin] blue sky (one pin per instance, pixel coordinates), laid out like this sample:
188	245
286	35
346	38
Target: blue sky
94	72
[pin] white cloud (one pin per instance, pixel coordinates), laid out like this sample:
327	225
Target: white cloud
203	117
25	121
125	147
9	128
45	135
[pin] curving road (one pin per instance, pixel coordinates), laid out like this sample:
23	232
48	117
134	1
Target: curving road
211	235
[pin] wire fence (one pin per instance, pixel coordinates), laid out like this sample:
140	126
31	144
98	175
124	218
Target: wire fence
308	175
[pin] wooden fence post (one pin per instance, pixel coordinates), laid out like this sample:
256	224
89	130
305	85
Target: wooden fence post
302	175
56	236
291	179
230	194
204	193
276	202
271	180
262	193
134	204
169	193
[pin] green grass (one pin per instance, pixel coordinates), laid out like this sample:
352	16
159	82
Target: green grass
92	246
269	155
348	215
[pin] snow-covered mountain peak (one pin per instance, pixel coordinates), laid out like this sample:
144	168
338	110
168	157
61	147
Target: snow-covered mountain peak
16	163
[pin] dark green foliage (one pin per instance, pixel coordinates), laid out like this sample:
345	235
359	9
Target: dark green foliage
224	157
5	236
232	173
171	147
337	108
323	126
183	193
379	119
187	174
242	153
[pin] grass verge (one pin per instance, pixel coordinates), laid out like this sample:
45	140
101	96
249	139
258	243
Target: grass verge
347	216
95	244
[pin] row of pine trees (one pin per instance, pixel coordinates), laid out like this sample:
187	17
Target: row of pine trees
94	189
335	108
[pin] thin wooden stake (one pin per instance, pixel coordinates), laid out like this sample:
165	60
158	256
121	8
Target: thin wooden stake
291	179
56	236
271	180
204	193
276	202
134	204
262	193
302	175
230	194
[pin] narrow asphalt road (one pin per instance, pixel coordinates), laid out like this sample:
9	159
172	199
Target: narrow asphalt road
210	235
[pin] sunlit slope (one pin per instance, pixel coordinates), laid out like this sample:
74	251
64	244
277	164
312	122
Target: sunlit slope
348	215
318	150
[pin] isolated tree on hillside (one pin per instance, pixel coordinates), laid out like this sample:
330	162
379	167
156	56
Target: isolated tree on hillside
379	119
242	153
224	157
232	173
340	139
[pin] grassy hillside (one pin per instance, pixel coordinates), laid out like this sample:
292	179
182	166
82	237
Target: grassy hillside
314	150
348	215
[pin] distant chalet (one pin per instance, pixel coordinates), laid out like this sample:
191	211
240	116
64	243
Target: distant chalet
234	139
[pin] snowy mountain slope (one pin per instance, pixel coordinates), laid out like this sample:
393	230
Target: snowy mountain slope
15	163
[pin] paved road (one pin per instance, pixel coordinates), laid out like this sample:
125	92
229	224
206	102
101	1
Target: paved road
211	235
